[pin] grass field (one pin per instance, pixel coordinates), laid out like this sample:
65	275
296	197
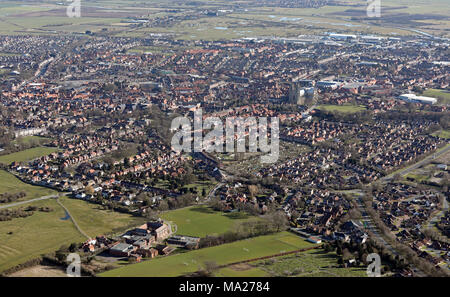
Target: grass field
200	185
241	271
30	140
188	262
11	184
27	155
35	235
443	96
95	221
442	134
200	221
45	232
341	108
417	177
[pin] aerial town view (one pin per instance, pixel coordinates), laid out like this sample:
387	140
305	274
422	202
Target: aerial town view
225	138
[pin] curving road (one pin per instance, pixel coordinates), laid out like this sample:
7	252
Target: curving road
435	219
418	164
28	201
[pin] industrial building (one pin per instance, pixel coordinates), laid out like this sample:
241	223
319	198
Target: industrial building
343	37
417	99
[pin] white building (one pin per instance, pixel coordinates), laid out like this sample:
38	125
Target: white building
336	36
417	99
29	132
324	84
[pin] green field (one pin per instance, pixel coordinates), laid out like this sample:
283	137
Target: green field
200	221
417	177
11	184
46	232
93	220
248	271
189	262
27	155
341	108
200	185
35	235
443	96
28	140
442	134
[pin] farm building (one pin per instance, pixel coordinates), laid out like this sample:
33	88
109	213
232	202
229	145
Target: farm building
122	250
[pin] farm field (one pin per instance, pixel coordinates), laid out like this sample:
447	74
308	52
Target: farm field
11	184
261	24
95	221
44	232
180	264
115	17
200	221
341	108
27	155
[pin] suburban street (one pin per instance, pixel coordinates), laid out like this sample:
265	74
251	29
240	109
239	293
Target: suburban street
367	220
369	225
437	216
418	164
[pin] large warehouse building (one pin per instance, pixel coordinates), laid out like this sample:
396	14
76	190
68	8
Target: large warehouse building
417	99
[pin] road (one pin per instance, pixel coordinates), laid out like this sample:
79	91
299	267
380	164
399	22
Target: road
213	191
430	225
367	220
418	164
437	216
39	72
28	201
370	226
368	223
